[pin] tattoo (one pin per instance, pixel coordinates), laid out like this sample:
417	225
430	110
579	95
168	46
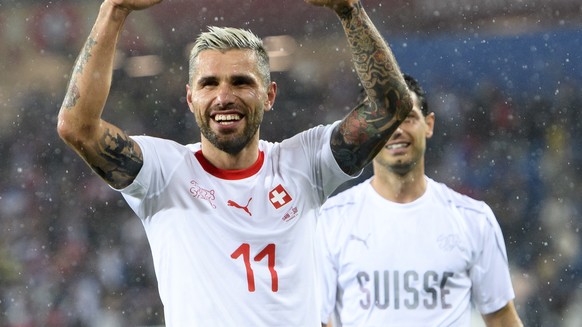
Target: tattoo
363	133
73	93
122	160
360	136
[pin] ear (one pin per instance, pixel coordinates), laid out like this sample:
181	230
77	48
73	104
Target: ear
429	120
271	95
189	98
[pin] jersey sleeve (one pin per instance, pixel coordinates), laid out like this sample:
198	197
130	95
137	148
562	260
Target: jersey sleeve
492	288
314	147
332	174
153	174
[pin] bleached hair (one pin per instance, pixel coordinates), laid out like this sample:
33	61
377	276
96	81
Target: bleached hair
229	38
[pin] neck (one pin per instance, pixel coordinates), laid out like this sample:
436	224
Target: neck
399	188
227	161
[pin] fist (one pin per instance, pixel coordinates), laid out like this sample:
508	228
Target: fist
135	4
333	4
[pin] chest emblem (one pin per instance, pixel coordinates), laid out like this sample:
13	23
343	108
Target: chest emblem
202	194
279	196
450	242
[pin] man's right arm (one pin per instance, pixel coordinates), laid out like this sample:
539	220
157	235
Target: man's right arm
105	147
504	317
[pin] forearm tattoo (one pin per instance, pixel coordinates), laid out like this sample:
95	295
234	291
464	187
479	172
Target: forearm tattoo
121	160
73	93
362	134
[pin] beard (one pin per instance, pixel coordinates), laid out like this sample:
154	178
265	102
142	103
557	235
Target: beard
232	143
402	168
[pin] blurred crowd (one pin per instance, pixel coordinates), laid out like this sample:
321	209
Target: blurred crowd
72	253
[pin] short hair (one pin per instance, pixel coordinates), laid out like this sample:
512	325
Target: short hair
415	87
229	38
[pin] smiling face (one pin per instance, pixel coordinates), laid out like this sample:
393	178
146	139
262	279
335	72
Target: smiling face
405	150
228	98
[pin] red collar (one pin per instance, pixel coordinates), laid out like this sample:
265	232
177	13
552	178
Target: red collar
230	174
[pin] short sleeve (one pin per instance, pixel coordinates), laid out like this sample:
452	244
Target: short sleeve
492	288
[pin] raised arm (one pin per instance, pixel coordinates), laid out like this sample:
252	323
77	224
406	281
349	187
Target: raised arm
361	134
105	147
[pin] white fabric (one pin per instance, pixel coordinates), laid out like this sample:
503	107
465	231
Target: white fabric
414	264
195	222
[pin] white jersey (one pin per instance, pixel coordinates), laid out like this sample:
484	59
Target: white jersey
413	264
236	248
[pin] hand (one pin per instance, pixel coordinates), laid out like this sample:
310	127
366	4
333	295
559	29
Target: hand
134	4
333	4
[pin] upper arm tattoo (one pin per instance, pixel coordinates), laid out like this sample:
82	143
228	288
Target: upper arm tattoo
114	156
361	135
120	159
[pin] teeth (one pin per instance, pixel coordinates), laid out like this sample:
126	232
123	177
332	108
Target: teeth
228	117
396	146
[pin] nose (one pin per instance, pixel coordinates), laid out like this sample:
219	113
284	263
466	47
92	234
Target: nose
397	132
224	96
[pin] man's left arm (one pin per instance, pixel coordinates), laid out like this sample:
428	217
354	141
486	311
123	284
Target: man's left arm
363	133
504	317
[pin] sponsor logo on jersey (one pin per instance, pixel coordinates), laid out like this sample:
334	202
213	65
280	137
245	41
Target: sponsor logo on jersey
279	196
231	203
363	240
202	194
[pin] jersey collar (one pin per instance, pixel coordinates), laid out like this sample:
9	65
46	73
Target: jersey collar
230	174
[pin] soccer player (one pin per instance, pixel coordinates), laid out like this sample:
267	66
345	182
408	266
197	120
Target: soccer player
401	249
231	220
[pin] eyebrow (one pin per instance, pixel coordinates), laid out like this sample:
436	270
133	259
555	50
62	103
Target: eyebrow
417	112
205	80
236	78
243	78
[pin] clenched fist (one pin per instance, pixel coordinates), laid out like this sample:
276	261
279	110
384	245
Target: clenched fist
333	4
134	4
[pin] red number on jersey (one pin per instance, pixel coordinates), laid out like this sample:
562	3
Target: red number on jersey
269	252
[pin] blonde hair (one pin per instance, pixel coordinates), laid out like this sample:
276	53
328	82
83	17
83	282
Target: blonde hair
229	38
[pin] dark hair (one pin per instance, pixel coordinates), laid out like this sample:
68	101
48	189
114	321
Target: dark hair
413	86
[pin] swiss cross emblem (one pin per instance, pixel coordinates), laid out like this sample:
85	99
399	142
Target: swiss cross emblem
279	197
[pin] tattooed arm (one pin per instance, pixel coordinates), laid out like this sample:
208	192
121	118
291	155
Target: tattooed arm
105	147
361	135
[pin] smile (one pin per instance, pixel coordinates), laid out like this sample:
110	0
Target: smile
396	146
225	119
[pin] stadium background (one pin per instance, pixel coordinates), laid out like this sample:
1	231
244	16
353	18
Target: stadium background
503	76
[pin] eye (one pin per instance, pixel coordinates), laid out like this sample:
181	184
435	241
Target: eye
242	81
207	82
210	83
411	118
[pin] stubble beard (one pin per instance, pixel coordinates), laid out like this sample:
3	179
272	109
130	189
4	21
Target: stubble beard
405	165
402	168
233	143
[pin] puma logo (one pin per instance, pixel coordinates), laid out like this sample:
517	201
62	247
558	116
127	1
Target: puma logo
363	240
231	203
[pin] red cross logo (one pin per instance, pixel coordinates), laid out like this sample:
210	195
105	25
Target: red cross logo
279	197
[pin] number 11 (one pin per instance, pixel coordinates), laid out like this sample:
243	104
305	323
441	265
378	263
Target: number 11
269	251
